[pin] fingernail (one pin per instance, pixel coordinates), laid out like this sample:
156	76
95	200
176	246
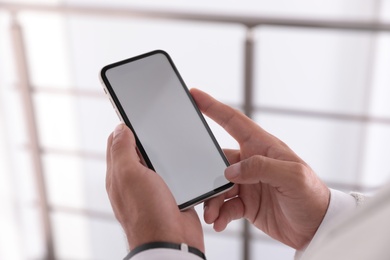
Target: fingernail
118	129
233	171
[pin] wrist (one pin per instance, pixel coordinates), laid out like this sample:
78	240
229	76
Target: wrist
144	234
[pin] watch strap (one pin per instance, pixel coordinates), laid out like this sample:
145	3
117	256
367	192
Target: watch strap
168	245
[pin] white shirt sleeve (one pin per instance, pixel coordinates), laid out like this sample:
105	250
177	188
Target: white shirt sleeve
165	254
339	204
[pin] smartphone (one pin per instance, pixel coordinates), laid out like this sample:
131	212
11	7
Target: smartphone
172	136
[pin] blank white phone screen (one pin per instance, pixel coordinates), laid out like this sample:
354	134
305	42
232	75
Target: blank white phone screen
169	128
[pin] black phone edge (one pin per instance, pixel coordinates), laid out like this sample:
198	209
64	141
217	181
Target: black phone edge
119	105
202	197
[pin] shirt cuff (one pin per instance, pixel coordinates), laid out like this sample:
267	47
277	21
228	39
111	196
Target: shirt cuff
339	203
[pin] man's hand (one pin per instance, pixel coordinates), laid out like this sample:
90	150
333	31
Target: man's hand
275	190
141	201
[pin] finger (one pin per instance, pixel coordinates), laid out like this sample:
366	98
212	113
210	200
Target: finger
231	210
276	173
124	157
213	205
232	155
234	122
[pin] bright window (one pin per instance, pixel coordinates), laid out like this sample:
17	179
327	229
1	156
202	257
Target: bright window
322	91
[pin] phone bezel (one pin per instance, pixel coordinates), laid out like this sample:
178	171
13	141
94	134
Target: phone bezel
110	91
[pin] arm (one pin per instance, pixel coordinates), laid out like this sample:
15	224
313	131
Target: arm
142	202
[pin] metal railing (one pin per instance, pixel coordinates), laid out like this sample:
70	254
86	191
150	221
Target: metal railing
248	22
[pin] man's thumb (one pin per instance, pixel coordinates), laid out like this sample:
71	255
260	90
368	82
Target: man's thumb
123	144
119	129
